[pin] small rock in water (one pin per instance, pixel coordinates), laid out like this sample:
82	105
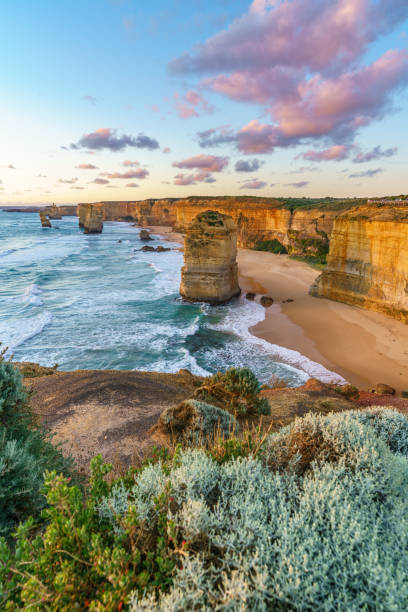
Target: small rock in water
250	296
147	248
145	235
266	301
119	241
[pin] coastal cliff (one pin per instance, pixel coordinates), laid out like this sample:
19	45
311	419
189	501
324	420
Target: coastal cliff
368	260
210	271
302	232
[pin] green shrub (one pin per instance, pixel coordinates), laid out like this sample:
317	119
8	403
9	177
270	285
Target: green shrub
255	532
236	390
196	422
25	452
272	246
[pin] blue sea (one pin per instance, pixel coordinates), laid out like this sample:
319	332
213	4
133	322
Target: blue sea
93	302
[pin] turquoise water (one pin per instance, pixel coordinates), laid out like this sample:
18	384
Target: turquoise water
90	301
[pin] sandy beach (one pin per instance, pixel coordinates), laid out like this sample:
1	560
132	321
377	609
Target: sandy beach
364	347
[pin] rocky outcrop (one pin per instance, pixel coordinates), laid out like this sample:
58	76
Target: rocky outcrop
210	271
145	235
92	221
45	222
53	212
368	260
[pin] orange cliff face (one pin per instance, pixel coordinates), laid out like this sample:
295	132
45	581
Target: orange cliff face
368	260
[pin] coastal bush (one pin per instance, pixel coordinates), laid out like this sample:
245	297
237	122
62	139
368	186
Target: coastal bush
193	421
25	452
256	532
236	390
271	246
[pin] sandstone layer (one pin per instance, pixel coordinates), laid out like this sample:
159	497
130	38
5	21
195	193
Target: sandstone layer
210	271
92	220
45	222
368	260
301	231
53	212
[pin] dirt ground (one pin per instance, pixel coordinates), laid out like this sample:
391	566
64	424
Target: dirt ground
105	411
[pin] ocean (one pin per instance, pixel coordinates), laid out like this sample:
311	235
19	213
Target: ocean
92	302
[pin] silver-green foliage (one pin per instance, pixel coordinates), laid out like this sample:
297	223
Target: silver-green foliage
25	453
203	421
334	539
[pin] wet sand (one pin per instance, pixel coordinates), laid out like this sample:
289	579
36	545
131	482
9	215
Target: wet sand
364	347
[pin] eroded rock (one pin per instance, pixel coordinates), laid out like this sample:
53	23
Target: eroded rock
45	222
93	223
210	271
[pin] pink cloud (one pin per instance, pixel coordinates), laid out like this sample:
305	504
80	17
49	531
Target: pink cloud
166	150
132	185
86	167
192	104
303	62
325	34
100	181
206	163
140	173
201	176
131	164
254	184
68	181
106	138
298	184
376	153
336	153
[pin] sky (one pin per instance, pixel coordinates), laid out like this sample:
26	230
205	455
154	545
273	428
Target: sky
131	99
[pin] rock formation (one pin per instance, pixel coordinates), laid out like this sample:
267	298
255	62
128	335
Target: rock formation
45	222
210	271
93	223
53	212
368	260
145	235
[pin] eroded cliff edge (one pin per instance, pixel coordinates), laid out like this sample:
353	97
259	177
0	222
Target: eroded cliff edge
368	260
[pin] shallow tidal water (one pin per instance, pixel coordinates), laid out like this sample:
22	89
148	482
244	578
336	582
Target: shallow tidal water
91	302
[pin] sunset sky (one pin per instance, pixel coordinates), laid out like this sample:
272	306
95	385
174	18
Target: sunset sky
128	99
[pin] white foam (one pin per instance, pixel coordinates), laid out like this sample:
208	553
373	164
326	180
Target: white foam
15	334
242	318
31	295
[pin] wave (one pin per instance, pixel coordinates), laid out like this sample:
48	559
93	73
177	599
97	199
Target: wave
15	334
7	252
241	318
31	295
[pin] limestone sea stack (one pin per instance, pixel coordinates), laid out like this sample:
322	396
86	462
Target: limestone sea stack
45	222
93	223
210	271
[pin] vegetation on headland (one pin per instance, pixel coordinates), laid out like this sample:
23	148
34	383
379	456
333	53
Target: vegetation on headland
312	517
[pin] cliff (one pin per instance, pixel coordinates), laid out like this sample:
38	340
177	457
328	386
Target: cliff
143	212
301	231
92	219
210	271
53	212
368	260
